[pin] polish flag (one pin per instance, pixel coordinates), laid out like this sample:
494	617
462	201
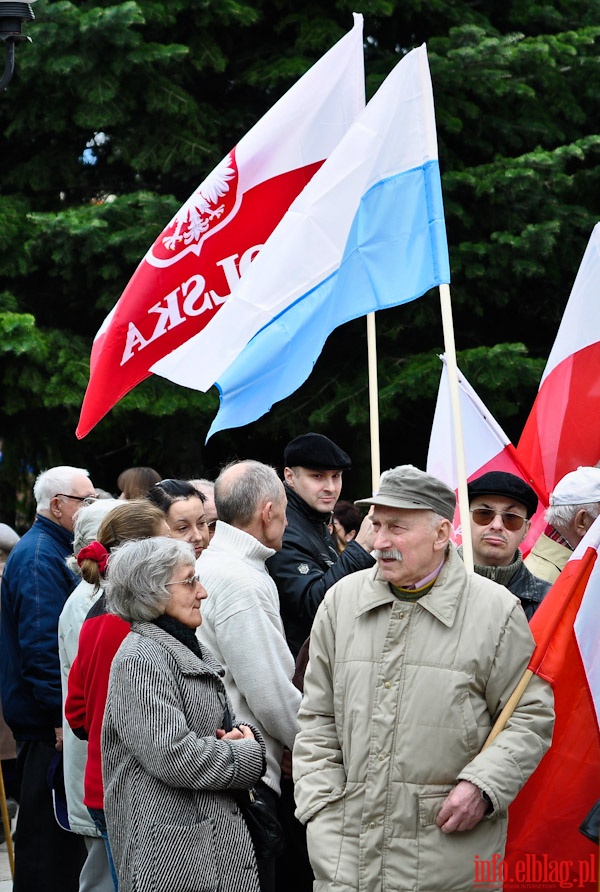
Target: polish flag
198	259
545	817
563	428
487	448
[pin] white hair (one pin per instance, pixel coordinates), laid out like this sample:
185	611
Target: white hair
49	483
561	516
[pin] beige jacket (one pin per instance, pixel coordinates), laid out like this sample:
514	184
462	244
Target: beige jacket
547	558
399	699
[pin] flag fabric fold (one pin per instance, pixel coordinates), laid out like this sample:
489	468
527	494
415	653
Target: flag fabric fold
368	232
487	448
563	428
545	817
198	259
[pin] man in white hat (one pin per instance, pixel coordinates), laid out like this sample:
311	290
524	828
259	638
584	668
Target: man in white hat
574	506
411	662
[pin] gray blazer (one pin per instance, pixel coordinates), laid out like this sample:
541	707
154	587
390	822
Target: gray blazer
173	823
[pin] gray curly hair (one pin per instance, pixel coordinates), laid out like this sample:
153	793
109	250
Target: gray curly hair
137	573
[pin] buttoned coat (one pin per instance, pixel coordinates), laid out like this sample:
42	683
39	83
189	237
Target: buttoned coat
399	699
173	822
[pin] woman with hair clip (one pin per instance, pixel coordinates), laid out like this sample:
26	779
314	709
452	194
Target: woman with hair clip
183	507
100	637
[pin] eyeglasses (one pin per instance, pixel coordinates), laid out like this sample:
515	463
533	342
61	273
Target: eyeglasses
512	522
192	580
211	524
87	500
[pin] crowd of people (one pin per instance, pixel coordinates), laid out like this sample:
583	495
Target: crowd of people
165	652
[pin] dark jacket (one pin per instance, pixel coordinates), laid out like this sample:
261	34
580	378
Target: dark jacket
35	585
307	566
529	589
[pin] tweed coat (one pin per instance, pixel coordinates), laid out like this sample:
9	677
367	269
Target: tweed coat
173	823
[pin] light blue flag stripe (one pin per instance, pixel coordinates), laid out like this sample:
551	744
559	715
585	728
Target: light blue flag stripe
395	252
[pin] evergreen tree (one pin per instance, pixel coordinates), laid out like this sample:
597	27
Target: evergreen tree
117	111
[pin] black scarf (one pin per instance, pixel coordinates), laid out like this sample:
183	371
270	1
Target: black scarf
182	633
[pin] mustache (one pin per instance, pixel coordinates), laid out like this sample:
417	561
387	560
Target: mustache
389	554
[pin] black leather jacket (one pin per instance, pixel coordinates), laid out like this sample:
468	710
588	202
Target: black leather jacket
307	565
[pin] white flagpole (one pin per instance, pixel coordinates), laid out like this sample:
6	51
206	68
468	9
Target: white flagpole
373	401
459	446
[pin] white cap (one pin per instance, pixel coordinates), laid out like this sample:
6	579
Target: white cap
578	487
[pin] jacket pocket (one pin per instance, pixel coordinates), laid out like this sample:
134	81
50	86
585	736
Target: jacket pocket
453	858
183	858
324	836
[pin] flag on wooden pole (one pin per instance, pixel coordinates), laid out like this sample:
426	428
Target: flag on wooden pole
545	817
367	232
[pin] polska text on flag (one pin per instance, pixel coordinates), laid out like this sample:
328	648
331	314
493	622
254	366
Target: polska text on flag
563	428
367	232
197	260
487	448
545	817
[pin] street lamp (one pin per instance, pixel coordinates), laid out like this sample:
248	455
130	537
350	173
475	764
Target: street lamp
12	16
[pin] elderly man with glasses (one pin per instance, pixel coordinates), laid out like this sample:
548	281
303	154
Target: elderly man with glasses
35	585
500	506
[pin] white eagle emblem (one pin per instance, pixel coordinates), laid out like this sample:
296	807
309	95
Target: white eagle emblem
205	211
303	568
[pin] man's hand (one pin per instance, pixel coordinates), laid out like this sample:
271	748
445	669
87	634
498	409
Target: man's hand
463	808
58	743
366	536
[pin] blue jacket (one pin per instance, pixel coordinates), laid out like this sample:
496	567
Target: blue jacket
35	585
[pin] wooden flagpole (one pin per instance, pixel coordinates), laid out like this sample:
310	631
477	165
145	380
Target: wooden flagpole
373	402
459	448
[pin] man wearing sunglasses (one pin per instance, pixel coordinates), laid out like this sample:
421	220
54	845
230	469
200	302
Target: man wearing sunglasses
500	506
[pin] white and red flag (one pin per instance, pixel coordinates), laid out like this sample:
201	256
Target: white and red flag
544	819
487	448
563	428
198	259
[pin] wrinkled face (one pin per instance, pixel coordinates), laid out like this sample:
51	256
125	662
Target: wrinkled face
319	489
64	507
408	544
187	593
187	521
494	545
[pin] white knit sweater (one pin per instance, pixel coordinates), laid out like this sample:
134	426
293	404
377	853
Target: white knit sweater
241	626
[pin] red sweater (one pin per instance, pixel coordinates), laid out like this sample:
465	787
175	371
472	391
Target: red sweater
99	640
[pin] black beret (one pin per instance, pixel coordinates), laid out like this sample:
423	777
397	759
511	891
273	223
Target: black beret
501	483
317	452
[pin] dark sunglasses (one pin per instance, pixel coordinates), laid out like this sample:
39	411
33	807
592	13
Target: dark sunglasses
512	522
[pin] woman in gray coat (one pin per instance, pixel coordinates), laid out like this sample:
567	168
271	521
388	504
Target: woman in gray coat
169	768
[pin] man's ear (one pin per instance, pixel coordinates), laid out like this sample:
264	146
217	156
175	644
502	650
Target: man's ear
442	537
288	476
55	507
582	522
266	512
